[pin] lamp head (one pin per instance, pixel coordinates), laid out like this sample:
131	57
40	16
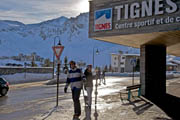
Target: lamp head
59	43
97	51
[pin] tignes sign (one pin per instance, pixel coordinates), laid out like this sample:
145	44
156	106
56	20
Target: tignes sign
103	19
145	9
128	15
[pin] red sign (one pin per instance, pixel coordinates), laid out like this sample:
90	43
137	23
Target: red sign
103	26
58	50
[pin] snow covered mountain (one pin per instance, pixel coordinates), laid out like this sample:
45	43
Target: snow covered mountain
16	37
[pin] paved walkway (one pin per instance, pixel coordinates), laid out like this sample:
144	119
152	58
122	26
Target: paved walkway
114	107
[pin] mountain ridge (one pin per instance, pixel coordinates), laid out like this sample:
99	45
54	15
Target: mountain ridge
40	37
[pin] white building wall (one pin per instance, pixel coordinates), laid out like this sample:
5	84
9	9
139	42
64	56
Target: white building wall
115	62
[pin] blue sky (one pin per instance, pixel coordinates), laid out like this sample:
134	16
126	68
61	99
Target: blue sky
34	11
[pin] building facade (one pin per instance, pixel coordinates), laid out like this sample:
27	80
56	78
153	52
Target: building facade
124	62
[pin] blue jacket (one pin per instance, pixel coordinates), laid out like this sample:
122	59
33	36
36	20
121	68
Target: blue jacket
74	78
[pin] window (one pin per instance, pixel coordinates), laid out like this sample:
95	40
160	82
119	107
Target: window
123	57
122	70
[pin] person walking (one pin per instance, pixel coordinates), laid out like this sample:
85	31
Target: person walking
74	78
88	84
103	77
98	72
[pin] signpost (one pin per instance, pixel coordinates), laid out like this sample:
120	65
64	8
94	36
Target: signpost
133	63
57	51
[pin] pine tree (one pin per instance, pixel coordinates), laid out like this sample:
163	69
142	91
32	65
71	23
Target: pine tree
65	69
110	68
47	63
106	68
33	64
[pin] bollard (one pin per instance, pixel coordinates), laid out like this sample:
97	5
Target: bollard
129	95
139	92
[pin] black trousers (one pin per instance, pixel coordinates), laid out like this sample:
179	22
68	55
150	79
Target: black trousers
77	106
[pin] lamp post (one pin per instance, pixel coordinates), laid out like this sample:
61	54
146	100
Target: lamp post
58	72
57	51
54	55
97	52
25	64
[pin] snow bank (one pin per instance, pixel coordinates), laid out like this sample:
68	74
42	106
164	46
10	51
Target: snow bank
136	74
62	79
27	77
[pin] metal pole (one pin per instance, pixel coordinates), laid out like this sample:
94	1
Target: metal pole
53	66
58	68
93	57
133	76
96	93
53	62
25	70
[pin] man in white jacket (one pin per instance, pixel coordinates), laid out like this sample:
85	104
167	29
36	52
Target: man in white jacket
74	78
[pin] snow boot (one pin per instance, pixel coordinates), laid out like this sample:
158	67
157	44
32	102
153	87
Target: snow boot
75	117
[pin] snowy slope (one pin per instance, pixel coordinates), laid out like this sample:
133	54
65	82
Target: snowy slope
16	37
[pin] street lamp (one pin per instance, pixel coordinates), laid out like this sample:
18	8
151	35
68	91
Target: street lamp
54	54
57	51
97	52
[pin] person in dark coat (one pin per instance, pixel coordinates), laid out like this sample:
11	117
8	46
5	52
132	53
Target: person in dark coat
88	84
